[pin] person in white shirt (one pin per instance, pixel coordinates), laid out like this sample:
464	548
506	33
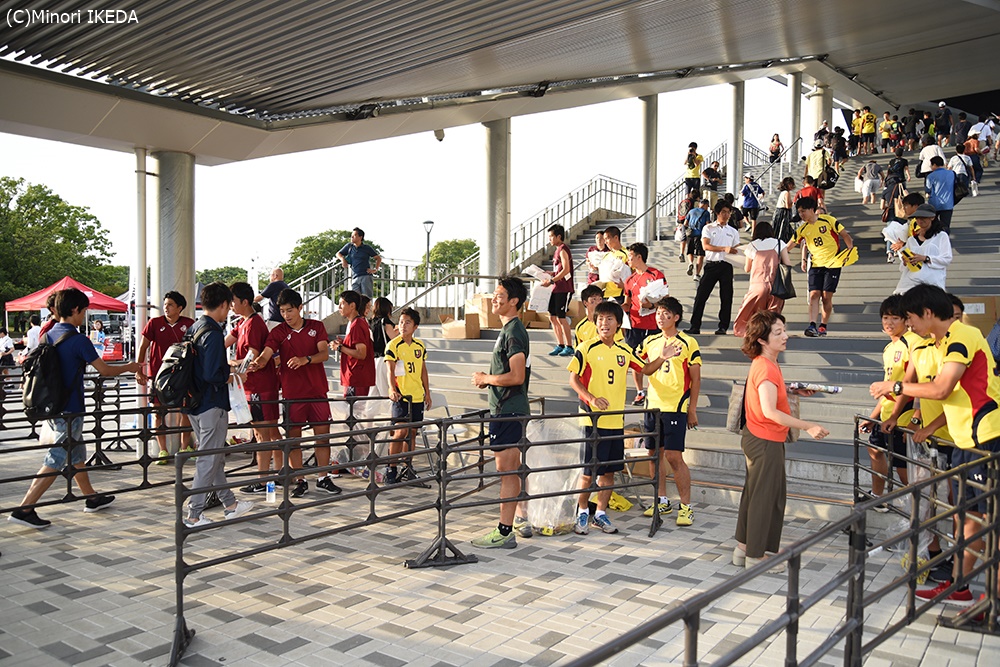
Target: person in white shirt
930	149
718	239
960	163
6	351
31	337
928	251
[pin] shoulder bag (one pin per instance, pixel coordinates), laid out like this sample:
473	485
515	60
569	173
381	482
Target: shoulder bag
782	287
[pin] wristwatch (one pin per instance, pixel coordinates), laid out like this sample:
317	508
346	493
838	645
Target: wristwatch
914	421
309	359
897	388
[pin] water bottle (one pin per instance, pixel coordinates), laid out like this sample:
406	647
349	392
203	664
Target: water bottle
270	491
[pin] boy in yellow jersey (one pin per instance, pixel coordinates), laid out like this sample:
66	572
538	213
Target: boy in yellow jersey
969	387
868	121
895	361
585	330
674	385
599	375
409	390
820	236
615	291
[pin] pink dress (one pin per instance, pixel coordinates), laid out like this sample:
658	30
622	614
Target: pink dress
766	255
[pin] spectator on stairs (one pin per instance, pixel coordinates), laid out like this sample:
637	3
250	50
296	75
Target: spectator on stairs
763	255
926	254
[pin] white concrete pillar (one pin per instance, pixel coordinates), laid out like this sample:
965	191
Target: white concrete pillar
734	169
822	108
139	268
795	100
175	227
495	257
645	229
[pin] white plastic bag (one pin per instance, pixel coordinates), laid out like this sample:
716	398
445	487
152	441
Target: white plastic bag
238	405
612	270
652	292
554	515
595	257
540	294
895	231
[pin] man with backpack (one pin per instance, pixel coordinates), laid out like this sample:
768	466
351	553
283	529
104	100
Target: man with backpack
209	408
53	381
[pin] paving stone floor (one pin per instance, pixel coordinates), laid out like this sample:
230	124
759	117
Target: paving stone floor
98	589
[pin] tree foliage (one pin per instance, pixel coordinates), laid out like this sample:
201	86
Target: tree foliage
45	238
224	274
450	254
318	249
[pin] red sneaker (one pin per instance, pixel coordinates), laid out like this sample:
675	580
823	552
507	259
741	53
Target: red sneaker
962	598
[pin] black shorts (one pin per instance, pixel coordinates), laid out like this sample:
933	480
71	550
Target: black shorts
634	337
822	279
673	430
695	247
405	412
558	302
868	137
505	434
895	440
610	448
751	213
976	473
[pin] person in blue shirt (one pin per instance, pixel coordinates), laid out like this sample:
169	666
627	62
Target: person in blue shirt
210	417
357	253
940	186
75	353
695	221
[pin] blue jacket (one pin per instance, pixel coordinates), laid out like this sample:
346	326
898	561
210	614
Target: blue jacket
211	368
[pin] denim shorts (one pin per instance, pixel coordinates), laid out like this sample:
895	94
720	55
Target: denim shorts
56	456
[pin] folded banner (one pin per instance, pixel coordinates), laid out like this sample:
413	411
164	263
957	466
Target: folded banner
844	258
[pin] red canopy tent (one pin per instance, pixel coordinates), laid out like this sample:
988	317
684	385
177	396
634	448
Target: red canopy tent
36	301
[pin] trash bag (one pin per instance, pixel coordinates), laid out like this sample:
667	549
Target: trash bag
554	515
919	469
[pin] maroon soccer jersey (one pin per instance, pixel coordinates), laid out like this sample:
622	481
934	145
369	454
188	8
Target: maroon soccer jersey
358	373
161	335
252	332
309	381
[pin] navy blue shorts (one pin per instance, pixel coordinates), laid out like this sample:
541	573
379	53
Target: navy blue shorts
401	412
610	448
822	279
673	430
505	434
895	441
976	473
634	337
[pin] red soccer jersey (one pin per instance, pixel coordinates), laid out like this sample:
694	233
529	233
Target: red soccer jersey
252	332
635	283
308	381
161	335
810	191
358	373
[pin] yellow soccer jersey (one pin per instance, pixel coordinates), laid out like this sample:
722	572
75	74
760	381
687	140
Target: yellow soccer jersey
895	358
971	410
409	360
604	372
868	121
586	331
926	360
670	386
822	238
610	289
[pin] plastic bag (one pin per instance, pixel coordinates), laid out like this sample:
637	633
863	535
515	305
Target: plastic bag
554	515
918	470
652	292
612	270
539	300
238	405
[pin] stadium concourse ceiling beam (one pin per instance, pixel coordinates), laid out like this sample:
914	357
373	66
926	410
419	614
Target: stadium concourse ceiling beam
52	106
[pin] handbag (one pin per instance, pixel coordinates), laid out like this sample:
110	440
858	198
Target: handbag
782	287
828	178
898	202
974	188
238	404
736	417
961	187
793	410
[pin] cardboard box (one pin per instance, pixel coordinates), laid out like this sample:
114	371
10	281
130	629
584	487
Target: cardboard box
460	329
981	312
482	306
576	312
538	324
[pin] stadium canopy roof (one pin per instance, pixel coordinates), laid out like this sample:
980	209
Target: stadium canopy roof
232	80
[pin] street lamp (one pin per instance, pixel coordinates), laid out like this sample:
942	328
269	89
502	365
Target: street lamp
428	226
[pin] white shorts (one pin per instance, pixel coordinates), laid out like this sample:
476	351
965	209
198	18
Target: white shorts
870	187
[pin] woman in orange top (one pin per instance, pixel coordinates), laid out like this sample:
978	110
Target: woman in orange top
762	504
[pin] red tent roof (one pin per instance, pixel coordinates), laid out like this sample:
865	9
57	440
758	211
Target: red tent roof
36	301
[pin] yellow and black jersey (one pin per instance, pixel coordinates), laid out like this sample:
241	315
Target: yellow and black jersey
612	290
603	369
587	331
895	359
670	386
972	409
409	358
925	358
822	238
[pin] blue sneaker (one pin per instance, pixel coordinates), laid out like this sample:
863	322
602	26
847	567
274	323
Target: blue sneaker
556	351
812	331
604	523
582	525
567	351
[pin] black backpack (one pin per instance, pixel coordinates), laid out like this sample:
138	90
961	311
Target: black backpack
174	383
43	393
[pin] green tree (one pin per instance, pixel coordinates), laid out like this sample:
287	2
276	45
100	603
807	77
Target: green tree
447	255
224	274
46	238
312	251
113	280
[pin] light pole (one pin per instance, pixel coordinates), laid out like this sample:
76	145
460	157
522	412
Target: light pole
428	226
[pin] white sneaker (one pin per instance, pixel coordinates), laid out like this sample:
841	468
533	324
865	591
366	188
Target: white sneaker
194	522
242	507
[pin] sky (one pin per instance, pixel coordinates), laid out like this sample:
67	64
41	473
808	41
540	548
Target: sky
258	209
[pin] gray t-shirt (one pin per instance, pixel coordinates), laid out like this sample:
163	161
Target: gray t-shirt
513	340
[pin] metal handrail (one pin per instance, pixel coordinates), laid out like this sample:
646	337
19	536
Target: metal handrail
770	165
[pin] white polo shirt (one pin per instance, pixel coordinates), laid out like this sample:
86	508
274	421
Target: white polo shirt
719	235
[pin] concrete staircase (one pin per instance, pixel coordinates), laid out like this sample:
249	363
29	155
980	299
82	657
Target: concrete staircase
820	473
